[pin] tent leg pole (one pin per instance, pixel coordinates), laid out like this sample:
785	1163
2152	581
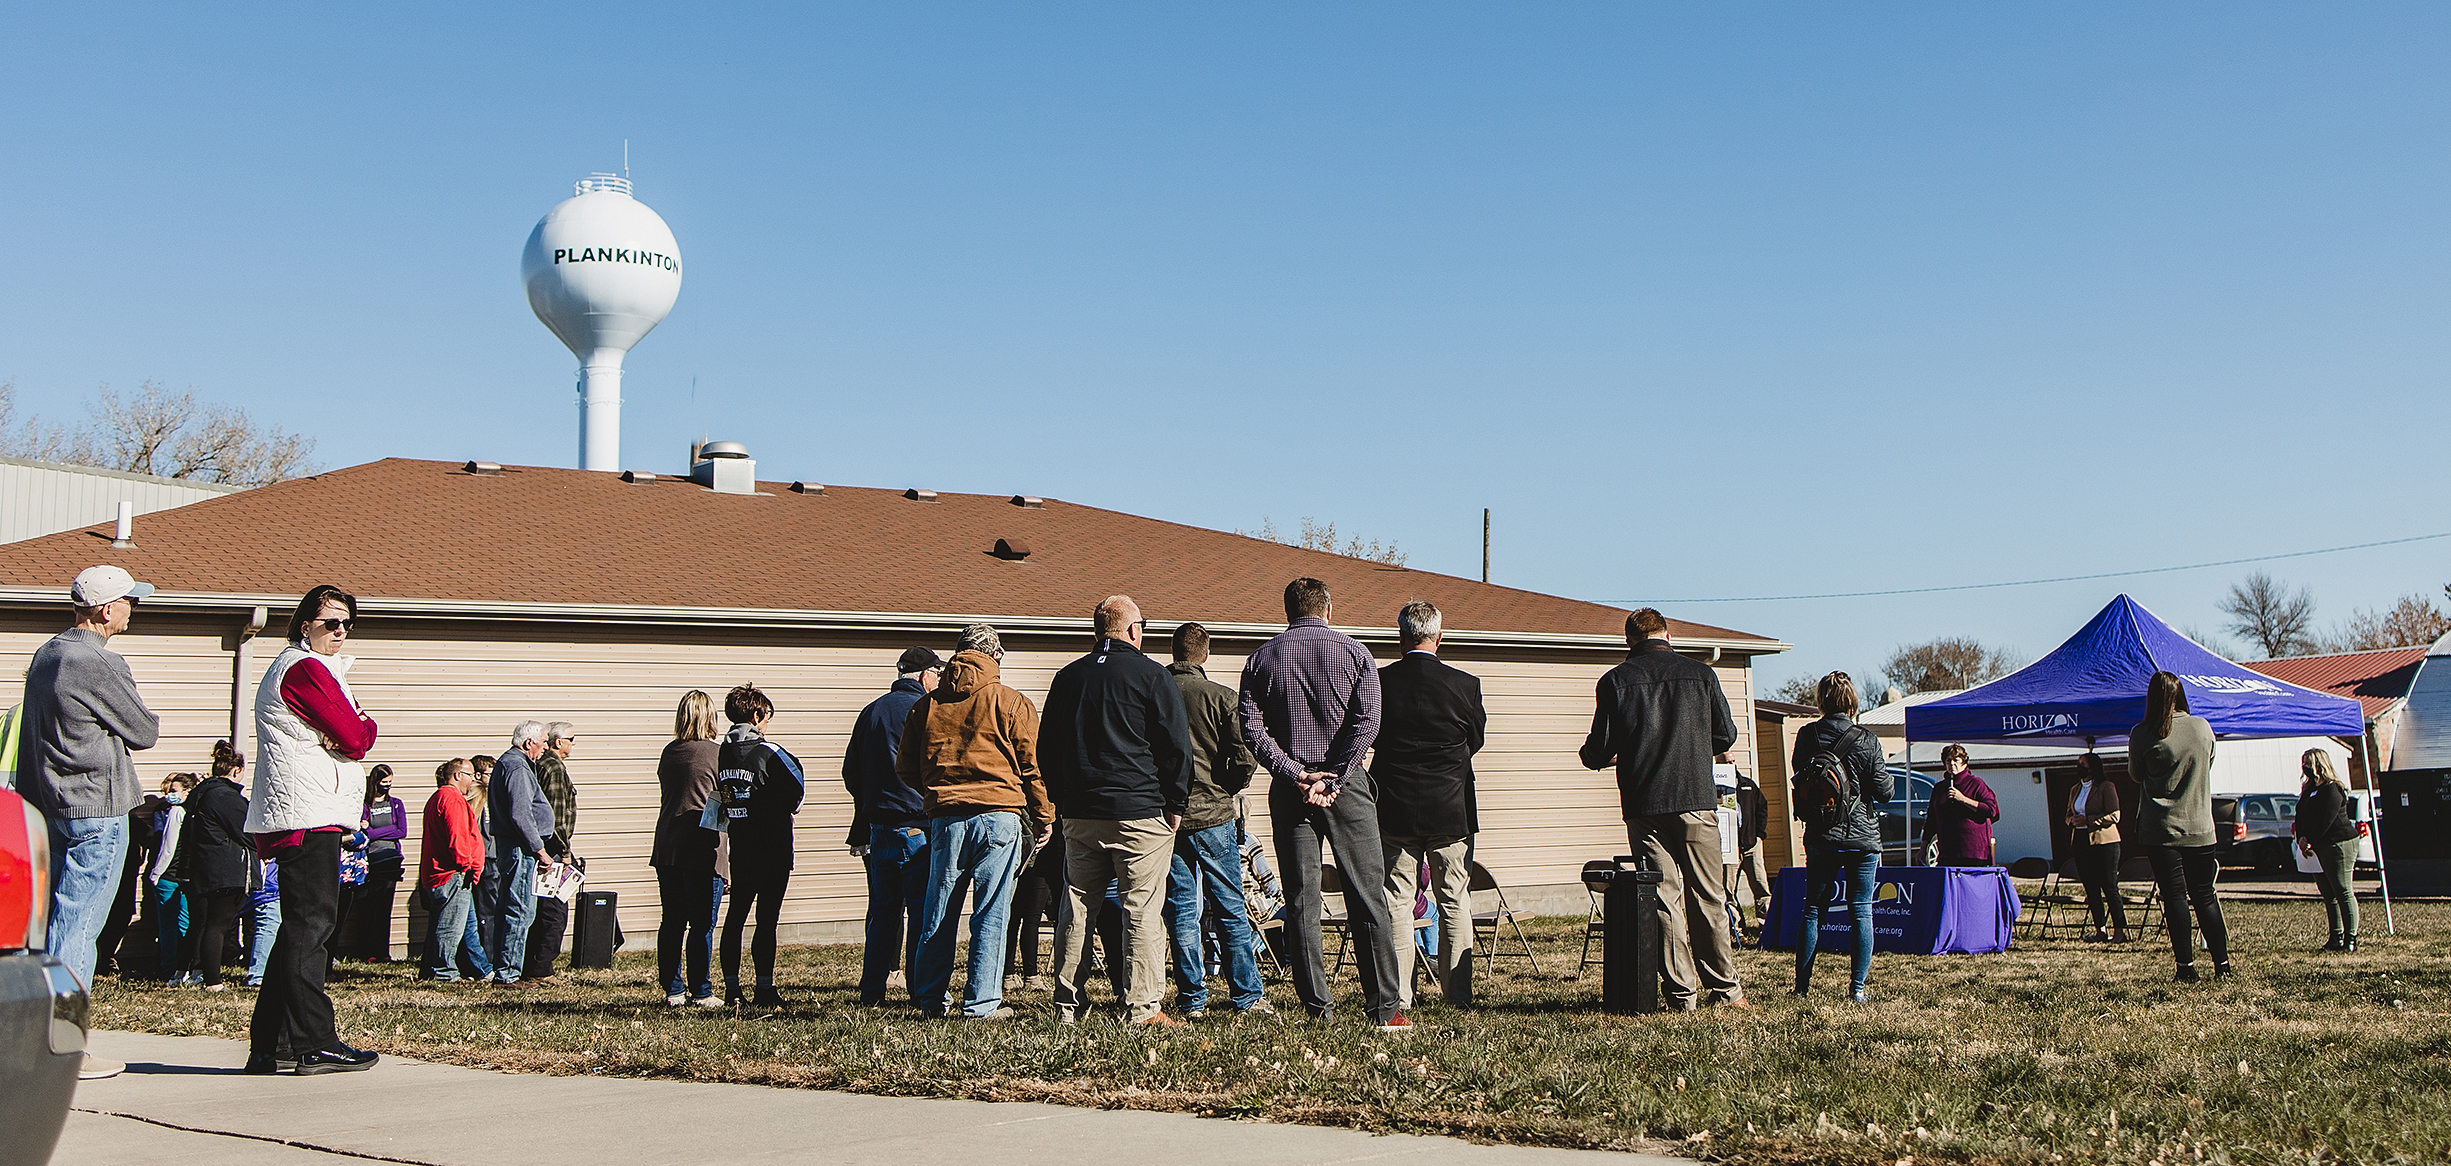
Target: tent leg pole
2382	868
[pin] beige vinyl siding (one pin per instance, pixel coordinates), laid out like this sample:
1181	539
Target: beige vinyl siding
454	688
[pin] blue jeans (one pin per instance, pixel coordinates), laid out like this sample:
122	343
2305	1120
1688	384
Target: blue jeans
1210	861
897	895
983	850
263	928
170	923
87	857
447	908
1823	868
514	875
473	960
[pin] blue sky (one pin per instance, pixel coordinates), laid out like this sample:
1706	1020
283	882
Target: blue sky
1702	301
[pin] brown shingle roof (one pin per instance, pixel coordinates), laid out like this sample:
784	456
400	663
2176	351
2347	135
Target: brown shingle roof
2376	679
408	529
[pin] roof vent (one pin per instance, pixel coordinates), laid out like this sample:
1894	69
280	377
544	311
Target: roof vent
486	468
1028	503
724	467
1011	550
807	488
917	495
636	476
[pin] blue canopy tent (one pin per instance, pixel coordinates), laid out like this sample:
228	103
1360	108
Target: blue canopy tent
2091	690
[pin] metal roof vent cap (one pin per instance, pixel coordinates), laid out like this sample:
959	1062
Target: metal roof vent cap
1011	550
1027	502
918	495
487	469
725	467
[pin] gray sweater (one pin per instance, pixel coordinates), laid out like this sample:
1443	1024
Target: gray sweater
2175	807
82	715
518	813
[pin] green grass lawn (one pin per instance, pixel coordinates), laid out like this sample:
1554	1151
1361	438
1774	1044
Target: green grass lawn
2055	1052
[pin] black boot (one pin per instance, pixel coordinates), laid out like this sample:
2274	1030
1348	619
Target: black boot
2187	974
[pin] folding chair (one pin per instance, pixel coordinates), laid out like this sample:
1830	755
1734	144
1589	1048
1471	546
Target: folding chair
1332	882
1504	915
1596	925
2146	916
2040	906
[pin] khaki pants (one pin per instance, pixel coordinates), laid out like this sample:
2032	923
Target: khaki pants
1450	885
1748	882
1693	905
1137	856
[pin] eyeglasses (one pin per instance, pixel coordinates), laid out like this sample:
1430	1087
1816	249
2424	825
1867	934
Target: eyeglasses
333	625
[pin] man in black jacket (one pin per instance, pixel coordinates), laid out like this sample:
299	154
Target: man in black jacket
1662	718
1116	750
1430	724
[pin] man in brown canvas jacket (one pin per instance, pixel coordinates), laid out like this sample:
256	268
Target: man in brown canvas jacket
971	750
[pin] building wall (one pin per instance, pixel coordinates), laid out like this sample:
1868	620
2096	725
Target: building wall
442	689
39	498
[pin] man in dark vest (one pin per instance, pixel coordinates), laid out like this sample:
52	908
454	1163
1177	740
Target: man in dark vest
1431	723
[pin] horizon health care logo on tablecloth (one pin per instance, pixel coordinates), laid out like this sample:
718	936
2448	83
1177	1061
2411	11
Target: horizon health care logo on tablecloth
1893	911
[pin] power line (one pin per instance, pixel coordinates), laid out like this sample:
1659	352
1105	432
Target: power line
2038	582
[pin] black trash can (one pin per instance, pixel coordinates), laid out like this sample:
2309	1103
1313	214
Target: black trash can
598	930
1630	948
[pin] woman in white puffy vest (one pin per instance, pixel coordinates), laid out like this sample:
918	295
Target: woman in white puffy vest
309	792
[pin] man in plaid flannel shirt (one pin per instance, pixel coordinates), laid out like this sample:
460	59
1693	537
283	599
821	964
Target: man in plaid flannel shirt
1310	711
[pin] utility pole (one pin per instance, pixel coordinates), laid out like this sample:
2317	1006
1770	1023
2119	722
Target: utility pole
1485	545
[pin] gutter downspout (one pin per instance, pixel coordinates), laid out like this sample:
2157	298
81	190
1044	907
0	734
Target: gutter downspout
2382	869
241	655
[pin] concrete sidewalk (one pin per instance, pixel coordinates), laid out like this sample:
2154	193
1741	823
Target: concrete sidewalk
183	1100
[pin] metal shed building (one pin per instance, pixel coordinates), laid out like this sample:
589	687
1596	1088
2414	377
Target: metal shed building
491	595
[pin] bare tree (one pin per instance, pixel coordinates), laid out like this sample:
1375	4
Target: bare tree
2411	621
1806	690
2210	642
35	440
166	434
1317	536
1948	662
2273	621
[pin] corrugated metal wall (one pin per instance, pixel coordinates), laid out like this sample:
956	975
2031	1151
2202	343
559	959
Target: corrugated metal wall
443	689
37	498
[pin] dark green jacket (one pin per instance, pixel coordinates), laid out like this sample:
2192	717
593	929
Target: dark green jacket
1221	765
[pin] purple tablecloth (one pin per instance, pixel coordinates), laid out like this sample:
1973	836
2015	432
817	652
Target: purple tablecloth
1921	909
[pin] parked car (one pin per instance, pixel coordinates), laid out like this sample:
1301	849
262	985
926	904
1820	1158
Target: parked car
2259	835
1902	816
42	1006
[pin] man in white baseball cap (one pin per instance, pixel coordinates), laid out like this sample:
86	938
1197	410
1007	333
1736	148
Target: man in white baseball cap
81	717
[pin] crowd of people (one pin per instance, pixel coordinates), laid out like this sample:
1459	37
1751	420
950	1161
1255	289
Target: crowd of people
1118	809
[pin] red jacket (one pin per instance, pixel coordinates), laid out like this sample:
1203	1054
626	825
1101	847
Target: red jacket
451	844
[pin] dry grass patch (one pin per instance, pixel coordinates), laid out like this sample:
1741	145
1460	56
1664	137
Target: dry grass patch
2056	1052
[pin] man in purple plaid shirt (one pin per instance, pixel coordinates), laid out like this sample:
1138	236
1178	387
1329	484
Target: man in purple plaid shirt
1310	711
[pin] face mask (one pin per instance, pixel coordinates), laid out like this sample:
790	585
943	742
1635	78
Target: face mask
174	798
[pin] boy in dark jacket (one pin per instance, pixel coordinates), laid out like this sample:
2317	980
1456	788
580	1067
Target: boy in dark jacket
762	785
1207	851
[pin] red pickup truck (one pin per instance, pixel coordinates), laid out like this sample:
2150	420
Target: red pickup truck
42	1006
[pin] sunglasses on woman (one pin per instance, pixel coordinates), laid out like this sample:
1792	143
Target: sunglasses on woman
333	625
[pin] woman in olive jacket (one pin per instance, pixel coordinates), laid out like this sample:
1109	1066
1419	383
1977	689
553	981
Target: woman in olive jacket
1849	847
2170	754
2328	833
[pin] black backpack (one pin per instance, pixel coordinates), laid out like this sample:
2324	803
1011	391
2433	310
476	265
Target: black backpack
1823	786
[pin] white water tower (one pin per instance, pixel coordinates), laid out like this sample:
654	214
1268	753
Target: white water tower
602	271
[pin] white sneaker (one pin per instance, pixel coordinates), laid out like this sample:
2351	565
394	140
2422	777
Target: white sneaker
95	1068
710	1000
676	999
